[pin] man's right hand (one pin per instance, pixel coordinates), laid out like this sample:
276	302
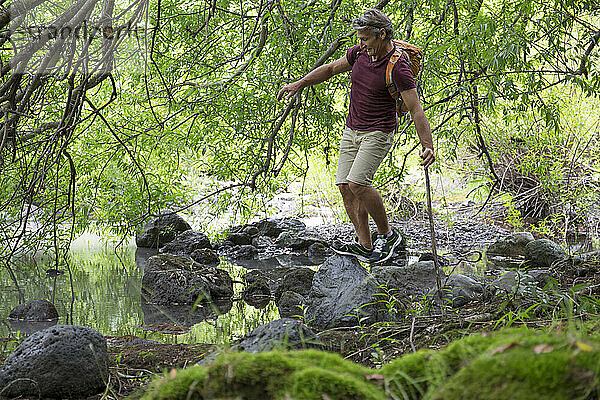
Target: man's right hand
291	89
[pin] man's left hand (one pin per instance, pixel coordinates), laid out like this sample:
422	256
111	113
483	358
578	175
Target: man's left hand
428	156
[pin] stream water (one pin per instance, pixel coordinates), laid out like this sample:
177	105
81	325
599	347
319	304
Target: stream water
106	295
101	289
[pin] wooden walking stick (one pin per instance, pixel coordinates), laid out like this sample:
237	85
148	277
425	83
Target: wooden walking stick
432	231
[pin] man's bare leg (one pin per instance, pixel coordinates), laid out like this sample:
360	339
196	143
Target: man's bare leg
371	201
358	214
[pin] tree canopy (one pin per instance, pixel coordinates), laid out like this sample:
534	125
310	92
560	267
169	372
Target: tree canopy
108	108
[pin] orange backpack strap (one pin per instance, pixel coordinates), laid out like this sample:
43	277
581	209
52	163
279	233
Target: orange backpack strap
413	56
389	83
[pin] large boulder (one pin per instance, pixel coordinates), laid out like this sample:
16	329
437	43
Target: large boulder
205	256
280	334
511	246
291	305
274	226
257	294
415	280
319	250
243	252
542	253
273	277
161	230
242	234
34	310
239	238
342	294
262	242
294	240
521	282
170	279
63	361
460	290
186	243
297	280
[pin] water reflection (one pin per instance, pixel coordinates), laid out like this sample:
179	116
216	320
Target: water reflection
101	289
183	315
29	327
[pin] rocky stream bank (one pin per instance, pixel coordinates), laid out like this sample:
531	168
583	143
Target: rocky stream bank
369	315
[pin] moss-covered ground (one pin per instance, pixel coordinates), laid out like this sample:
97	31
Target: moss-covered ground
508	364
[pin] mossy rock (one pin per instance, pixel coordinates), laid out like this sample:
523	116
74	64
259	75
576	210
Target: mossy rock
305	374
515	364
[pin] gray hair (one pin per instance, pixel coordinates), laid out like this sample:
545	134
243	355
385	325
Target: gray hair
374	20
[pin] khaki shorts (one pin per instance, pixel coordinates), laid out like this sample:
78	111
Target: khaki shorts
361	152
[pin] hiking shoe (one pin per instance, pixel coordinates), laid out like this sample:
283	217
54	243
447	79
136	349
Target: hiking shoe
384	245
353	249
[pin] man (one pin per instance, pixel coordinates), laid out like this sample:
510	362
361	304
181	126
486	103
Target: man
369	132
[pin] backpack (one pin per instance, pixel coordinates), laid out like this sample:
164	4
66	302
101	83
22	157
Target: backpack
413	55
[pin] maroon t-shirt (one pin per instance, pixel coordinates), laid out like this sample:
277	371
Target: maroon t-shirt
371	105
